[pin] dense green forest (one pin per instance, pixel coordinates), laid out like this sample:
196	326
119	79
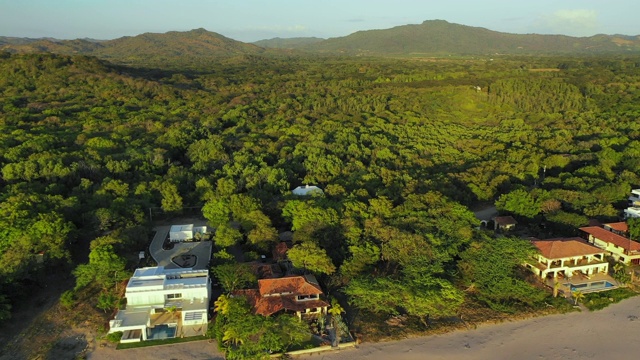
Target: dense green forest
401	148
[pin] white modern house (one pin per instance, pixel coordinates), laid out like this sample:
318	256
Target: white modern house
307	190
633	210
164	304
179	233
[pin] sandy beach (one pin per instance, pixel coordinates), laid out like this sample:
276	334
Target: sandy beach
612	333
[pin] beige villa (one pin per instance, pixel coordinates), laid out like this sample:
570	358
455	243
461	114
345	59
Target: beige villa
612	243
565	258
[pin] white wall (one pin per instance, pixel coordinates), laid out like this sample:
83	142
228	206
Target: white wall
158	297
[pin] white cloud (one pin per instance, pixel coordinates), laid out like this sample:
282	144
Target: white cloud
577	22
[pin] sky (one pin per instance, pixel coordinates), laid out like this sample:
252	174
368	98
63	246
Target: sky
252	20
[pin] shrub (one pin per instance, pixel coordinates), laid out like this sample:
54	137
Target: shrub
600	300
114	337
68	299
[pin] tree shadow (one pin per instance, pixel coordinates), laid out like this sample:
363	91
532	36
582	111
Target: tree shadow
70	347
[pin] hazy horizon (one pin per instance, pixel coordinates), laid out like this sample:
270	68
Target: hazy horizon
254	20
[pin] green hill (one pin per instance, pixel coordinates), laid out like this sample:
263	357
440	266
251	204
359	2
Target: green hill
198	43
441	37
432	37
288	43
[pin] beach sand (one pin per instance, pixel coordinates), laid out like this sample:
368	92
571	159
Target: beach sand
612	333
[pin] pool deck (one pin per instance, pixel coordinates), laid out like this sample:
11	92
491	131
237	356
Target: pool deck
565	284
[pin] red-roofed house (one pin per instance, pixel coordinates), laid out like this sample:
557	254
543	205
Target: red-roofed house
297	294
567	257
620	228
619	247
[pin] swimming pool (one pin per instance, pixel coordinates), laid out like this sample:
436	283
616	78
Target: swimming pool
162	332
592	286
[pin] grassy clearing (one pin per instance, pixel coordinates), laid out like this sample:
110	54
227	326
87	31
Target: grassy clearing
140	344
600	300
309	343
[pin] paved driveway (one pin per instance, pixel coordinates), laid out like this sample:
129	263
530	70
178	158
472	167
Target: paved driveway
201	249
487	213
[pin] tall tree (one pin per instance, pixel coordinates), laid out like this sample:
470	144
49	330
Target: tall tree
490	266
234	276
309	256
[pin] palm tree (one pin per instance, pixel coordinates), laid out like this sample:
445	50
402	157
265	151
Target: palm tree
556	286
173	310
577	297
617	267
222	304
335	311
231	335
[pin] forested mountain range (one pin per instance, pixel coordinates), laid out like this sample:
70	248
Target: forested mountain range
288	43
189	44
433	37
438	37
90	149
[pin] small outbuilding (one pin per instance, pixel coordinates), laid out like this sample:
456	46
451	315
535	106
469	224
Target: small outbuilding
504	223
187	232
307	190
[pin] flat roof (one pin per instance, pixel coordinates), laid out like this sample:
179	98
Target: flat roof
133	317
148	271
186	227
157	278
197	304
133	283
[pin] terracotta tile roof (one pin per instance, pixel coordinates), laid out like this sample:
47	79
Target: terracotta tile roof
611	237
505	220
262	306
565	247
619	226
297	285
273	303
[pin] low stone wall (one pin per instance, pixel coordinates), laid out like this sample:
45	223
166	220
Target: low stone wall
318	349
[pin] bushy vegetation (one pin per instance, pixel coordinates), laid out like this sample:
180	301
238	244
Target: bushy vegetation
243	335
600	300
401	148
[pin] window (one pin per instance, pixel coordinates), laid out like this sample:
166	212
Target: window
174	296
